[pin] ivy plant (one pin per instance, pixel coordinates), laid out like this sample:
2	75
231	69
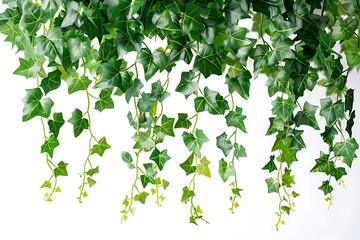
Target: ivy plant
299	45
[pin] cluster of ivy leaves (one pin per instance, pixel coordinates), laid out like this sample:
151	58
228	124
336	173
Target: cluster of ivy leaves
300	45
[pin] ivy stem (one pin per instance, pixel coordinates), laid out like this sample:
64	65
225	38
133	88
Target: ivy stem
233	202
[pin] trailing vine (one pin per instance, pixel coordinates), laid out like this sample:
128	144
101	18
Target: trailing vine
301	46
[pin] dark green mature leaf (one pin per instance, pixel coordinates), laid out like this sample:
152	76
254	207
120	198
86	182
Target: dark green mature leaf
226	170
224	144
279	83
50	44
127	158
187	194
134	89
236	119
349	100
141	197
183	121
329	135
240	83
146	102
192	18
331	111
160	158
27	68
50	7
36	105
283	108
79	48
208	62
187	165
75	82
93	23
270	8
272	185
350	124
281	50
326	42
279	28
49	145
187	86
100	147
146	58
105	101
149	175
307	116
180	49
202	167
300	16
51	82
158	92
212	102
239	151
56	123
61	170
326	187
261	58
111	74
234	10
270	166
166	127
32	16
164	22
347	150
338	173
79	123
194	142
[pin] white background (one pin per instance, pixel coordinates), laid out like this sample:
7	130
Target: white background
24	215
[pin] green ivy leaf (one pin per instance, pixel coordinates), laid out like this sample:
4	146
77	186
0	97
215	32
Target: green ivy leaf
224	144
261	58
133	90
79	48
349	100
187	194
158	92
27	68
93	24
50	7
92	171
212	102
287	178
347	150
141	197
280	83
202	168
194	143
36	105
323	164
32	16
105	101
273	186
149	175
307	116
187	86
240	83
49	145
208	62
160	158
75	82
352	56
79	123
73	15
338	173
192	18
187	165
183	121
91	182
350	124
236	119
344	29
329	135
271	166
226	170
326	187
146	58
283	108
127	158
111	74
100	147
46	184
270	8
61	170
51	82
56	123
144	141
239	151
50	44
331	111
167	126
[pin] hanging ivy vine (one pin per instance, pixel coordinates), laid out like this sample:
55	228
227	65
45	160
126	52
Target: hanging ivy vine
299	45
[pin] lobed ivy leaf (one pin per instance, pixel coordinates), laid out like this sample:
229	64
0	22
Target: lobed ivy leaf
212	102
283	108
51	82
347	150
149	175
323	164
100	147
202	167
331	111
56	123
270	8
236	119
183	121
226	170
93	171
27	68
32	16
73	14
273	186
79	123
166	127
36	105
187	194
240	83
61	169
224	144
49	145
134	89
141	197
159	157
50	44
187	86
195	142
239	151
307	116
75	82
187	165
105	101
208	62
270	166
326	187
